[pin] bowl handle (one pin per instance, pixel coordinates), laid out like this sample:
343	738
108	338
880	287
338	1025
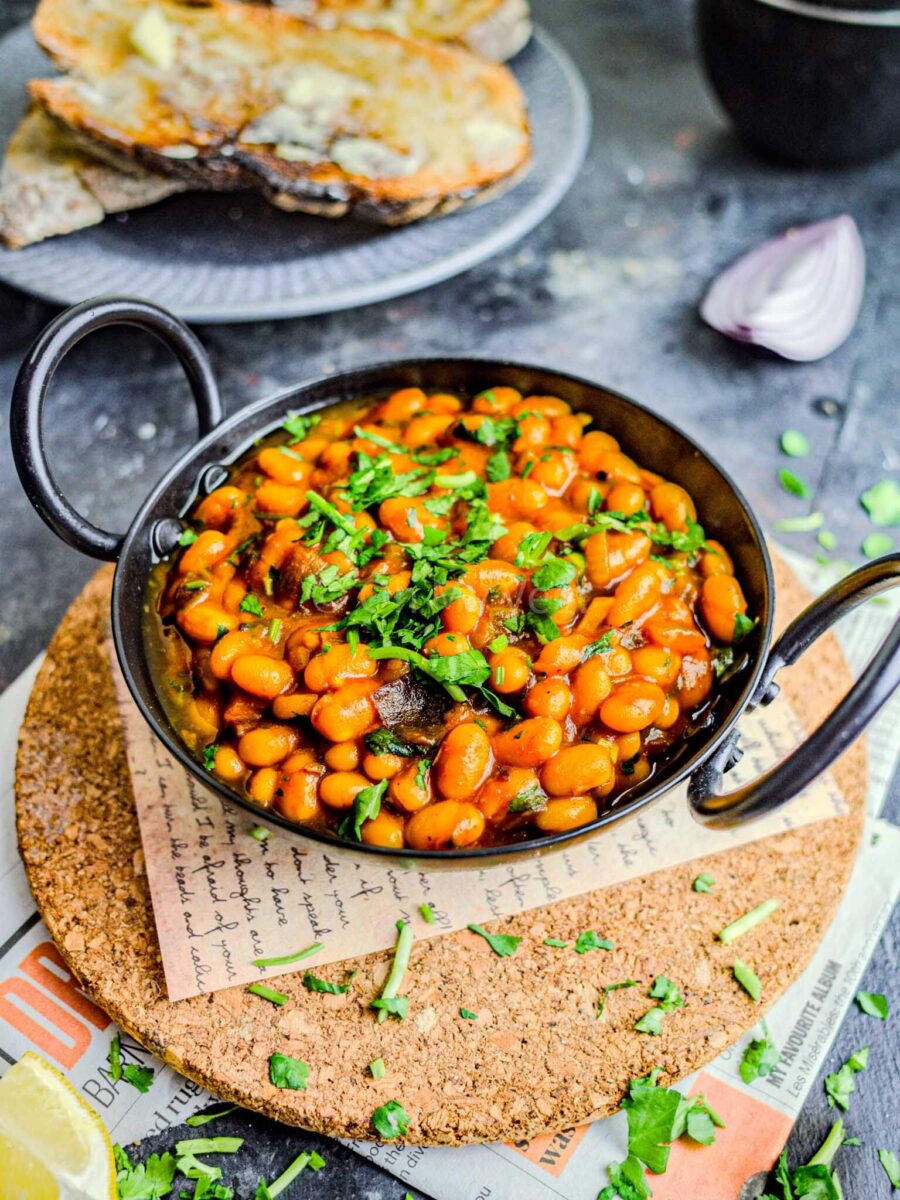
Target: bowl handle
30	390
841	727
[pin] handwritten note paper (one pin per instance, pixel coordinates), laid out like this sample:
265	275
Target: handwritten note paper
221	898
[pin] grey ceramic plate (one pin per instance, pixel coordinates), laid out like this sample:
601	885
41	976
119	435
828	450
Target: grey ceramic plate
235	258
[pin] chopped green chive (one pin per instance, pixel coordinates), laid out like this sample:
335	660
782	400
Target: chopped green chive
826	539
703	883
557	942
502	944
115	1059
275	629
877	544
807	524
399	967
873	1004
427	914
613	987
204	1118
891	1164
377	1068
267	993
882	502
218	1145
260	833
748	979
467	1015
285	959
589	940
794	443
748	921
793	484
313	983
188	537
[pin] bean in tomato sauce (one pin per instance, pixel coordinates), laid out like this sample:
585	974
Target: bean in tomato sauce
428	621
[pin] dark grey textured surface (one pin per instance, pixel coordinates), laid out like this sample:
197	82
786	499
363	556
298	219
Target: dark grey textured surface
608	288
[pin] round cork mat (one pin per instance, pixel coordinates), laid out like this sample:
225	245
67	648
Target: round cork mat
536	1059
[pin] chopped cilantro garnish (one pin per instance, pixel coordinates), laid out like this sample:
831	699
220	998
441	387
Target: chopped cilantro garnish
760	1057
422	768
194	585
187	538
259	833
251	604
467	1015
794	443
748	921
286	959
876	544
554	573
377	1068
793	484
498	644
882	502
389	1002
613	987
669	997
216	1145
558	943
532	549
808	524
366	806
146	1181
267	993
287	1072
826	539
703	883
313	983
626	1181
841	1084
748	979
502	944
873	1004
589	940
498	467
722	660
385	741
139	1077
328	586
204	1118
427	914
891	1164
600	646
299	425
530	799
390	1120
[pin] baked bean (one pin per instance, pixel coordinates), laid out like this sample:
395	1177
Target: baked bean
462	614
339	789
695	680
406	519
721	599
425	430
594	446
715	560
673	635
500	790
384	830
672	505
446	645
411	789
494	576
463	761
297	704
578	768
262	785
342	756
219	509
633	705
297	796
347	713
547	406
228	764
267	745
229	647
637	594
211	547
285	466
338	664
529	743
383	766
507	548
205	622
403	404
628	746
590	687
565	813
551	697
561	656
627	498
282	498
448	823
670	713
657	663
510	670
261	675
496	400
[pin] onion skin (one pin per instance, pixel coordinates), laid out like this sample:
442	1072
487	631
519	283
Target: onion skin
797	295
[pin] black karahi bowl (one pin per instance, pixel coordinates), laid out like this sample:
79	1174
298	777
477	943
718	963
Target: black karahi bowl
702	758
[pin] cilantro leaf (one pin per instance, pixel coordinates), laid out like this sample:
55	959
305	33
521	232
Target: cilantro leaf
873	1004
651	1022
760	1057
589	940
498	467
490	431
139	1077
840	1085
532	549
313	983
703	883
251	604
626	1181
743	625
651	1113
700	1127
530	799
299	426
467	1015
667	993
794	443
554	573
208	757
385	741
601	645
612	987
287	1072
502	944
392	1006
187	538
391	1120
115	1059
891	1165
366	806
147	1181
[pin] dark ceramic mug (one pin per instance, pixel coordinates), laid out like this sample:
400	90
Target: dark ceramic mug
702	758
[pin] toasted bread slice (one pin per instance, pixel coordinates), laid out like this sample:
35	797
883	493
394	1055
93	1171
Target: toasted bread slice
48	186
497	29
224	94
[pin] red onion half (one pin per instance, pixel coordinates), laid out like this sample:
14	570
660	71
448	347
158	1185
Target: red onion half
798	294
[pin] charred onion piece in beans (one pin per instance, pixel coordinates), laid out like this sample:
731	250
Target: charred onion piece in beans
427	622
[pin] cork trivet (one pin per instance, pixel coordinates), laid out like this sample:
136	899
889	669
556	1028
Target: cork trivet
537	1058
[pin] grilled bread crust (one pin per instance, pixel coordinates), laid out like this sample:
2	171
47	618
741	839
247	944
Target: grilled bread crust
330	121
496	29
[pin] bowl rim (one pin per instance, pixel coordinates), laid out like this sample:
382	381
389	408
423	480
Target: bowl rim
139	527
871	17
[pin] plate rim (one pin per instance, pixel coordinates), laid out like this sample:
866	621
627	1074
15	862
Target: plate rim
404	282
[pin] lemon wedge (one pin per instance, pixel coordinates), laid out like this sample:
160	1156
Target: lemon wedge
53	1146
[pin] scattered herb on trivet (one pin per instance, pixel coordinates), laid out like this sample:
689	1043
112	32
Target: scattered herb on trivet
877	544
391	1120
589	940
389	1003
760	1057
891	1164
267	993
503	944
427	914
268	1191
313	983
815	1179
703	883
557	942
669	997
115	1059
748	979
882	502
377	1068
873	1004
287	1072
216	1145
285	959
613	987
204	1118
794	443
840	1085
139	1077
146	1181
748	921
260	833
467	1015
793	484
